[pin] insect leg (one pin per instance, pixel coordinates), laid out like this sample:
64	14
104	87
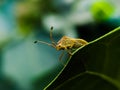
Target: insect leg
60	57
69	52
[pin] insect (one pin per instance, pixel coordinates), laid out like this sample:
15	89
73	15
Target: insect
65	43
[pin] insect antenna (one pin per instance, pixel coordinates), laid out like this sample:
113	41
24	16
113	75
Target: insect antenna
51	37
38	41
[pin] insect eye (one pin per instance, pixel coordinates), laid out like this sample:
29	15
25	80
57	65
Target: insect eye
58	46
68	47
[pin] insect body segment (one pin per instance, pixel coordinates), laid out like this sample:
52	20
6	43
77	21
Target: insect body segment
64	43
70	43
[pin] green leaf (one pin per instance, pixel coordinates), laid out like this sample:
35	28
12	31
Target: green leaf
100	56
88	81
103	55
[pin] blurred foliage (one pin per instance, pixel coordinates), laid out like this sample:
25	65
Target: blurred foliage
7	84
29	13
41	81
102	10
101	62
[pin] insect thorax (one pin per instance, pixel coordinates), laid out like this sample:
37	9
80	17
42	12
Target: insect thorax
65	43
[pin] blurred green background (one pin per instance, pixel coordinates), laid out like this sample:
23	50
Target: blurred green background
28	66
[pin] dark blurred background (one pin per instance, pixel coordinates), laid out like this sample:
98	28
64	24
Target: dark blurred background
28	66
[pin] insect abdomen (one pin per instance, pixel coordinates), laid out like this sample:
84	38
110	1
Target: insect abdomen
79	43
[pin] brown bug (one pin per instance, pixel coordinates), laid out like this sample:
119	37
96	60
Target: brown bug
65	43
